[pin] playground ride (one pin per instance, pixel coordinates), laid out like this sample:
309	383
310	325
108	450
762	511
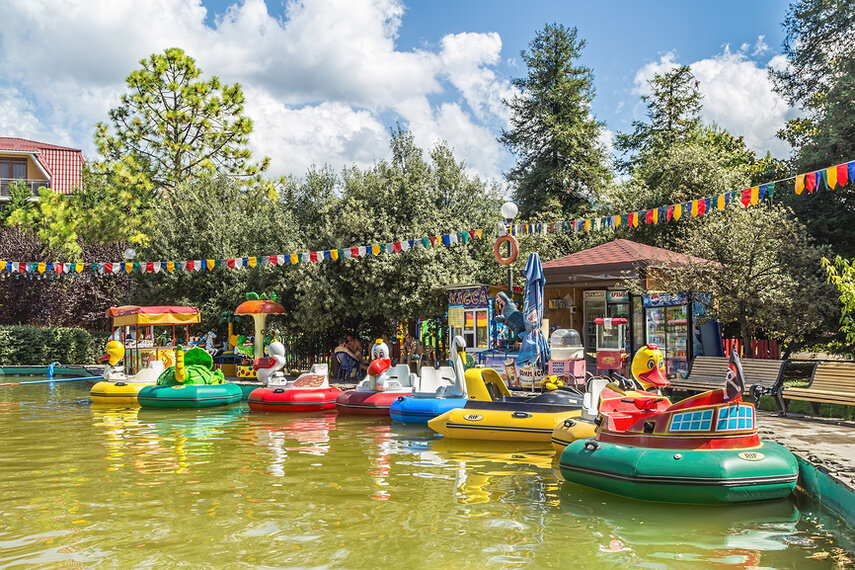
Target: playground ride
191	383
117	388
258	307
618	395
308	393
382	385
703	450
491	413
437	390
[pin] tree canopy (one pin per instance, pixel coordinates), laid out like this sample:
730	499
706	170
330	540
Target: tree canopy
561	163
172	125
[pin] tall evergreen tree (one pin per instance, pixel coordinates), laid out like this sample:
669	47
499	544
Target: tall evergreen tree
561	164
820	80
673	111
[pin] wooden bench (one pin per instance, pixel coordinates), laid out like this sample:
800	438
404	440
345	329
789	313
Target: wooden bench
709	372
830	383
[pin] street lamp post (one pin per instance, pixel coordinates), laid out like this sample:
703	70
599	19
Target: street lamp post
129	255
509	212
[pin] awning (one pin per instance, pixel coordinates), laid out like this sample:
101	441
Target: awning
259	307
132	315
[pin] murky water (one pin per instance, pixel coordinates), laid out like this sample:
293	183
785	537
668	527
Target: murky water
122	488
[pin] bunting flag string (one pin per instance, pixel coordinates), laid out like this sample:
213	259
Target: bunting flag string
829	178
42	269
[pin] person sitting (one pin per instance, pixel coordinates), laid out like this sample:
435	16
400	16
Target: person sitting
347	361
414	351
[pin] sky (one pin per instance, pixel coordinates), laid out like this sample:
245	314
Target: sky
325	80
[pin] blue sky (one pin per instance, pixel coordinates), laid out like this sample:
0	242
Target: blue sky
326	79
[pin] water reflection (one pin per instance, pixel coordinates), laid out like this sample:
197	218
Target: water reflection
276	432
725	534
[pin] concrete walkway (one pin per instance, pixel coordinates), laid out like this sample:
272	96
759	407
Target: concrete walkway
824	442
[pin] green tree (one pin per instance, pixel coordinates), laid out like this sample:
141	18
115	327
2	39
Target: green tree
561	164
406	198
673	110
171	125
763	273
100	212
218	217
820	80
841	274
19	199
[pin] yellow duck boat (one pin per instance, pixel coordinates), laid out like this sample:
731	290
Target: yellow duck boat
118	389
492	413
648	371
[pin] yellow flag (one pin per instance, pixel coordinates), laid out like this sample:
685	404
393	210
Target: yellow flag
41	267
694	208
2	266
78	268
587	226
719	203
129	267
678	211
831	175
635	220
252	261
375	249
478	233
210	264
755	195
333	254
800	183
170	266
295	259
655	216
617	221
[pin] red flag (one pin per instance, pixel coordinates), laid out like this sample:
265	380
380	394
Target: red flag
649	217
313	256
702	207
190	266
433	240
108	267
272	260
354	251
669	212
734	381
397	246
810	181
149	267
842	174
231	263
746	197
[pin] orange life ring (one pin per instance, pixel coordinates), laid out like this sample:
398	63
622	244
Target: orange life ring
515	249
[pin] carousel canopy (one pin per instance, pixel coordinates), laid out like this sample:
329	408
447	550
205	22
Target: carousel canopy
161	315
259	307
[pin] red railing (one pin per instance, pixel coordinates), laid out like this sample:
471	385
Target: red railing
765	349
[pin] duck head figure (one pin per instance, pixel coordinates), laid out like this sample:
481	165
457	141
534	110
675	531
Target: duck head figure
380	362
114	353
648	367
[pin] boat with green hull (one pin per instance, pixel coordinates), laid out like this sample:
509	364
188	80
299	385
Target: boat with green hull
703	450
766	472
191	383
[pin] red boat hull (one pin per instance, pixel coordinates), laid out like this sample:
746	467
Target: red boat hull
294	400
366	403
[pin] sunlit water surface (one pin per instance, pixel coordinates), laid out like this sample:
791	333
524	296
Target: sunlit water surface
88	486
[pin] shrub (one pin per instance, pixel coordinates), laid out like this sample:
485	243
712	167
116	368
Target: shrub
26	345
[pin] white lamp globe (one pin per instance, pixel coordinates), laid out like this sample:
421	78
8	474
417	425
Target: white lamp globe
509	210
129	253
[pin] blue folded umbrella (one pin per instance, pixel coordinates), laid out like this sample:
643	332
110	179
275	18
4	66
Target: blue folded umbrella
534	348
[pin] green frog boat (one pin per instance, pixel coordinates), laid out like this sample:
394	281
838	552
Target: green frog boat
191	383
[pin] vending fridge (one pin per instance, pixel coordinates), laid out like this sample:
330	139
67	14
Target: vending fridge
668	325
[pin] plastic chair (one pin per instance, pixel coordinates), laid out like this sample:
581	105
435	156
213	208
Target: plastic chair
347	366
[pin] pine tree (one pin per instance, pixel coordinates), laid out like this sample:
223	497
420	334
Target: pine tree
673	111
561	164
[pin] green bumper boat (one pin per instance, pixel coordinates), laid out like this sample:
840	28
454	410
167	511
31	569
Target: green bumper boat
703	450
191	383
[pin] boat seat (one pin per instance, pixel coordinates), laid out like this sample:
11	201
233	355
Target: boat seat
591	399
432	379
493	391
402	374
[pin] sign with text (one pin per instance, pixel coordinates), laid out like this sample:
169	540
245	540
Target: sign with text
471	298
617	296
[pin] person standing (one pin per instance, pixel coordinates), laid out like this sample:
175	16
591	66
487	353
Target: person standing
414	351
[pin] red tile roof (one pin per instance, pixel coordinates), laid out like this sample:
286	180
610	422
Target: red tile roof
63	164
620	253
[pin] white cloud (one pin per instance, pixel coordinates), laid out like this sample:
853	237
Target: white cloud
317	80
737	95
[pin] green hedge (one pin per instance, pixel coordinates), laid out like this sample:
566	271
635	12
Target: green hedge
22	344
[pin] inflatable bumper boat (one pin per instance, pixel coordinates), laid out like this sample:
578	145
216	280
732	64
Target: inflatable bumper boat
383	384
310	392
191	383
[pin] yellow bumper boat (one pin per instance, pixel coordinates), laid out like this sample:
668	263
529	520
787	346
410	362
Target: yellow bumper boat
492	413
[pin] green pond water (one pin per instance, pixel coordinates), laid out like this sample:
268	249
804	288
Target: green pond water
126	488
